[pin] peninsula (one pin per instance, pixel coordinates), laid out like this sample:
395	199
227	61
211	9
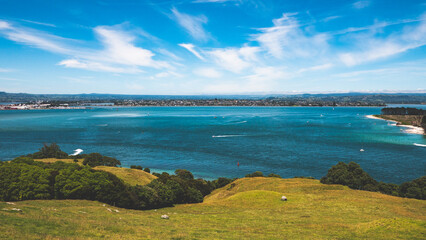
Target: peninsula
412	118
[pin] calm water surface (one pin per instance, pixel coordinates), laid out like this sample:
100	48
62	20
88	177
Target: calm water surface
209	141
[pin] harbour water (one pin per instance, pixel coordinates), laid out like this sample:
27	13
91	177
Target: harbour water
210	141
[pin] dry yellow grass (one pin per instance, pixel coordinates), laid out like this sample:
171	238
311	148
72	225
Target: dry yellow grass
52	160
130	176
249	208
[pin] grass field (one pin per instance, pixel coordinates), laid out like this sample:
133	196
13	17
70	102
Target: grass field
249	208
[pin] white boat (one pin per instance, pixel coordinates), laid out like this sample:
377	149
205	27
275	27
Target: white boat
76	152
361	150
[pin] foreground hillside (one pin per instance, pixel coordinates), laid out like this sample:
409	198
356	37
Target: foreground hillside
249	208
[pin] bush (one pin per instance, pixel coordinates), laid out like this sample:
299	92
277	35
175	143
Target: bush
350	175
136	167
184	174
147	170
221	182
274	175
49	151
414	189
304	177
353	176
96	159
255	174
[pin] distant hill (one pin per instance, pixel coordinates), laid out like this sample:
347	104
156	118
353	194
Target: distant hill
397	98
249	208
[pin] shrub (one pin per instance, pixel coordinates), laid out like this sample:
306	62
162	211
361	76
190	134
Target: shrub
147	170
96	159
136	167
255	174
274	175
304	177
221	182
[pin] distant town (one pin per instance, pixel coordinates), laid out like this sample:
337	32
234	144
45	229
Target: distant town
21	101
181	102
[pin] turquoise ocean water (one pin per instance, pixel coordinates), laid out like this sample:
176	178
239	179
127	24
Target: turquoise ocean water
210	141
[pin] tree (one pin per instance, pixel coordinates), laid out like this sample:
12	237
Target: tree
184	174
255	174
350	175
49	151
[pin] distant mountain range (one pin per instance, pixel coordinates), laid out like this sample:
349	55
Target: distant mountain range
396	98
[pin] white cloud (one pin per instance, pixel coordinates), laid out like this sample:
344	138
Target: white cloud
327	19
34	38
269	73
370	47
286	39
3	70
190	47
317	67
361	4
192	24
39	23
167	74
207	72
167	53
95	66
4	25
119	53
215	1
263	79
229	59
119	48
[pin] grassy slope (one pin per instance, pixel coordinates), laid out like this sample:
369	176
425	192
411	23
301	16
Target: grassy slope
249	209
130	176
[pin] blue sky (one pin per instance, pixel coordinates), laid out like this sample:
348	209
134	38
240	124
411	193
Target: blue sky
212	46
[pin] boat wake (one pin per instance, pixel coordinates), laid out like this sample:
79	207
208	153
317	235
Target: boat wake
123	115
226	136
419	145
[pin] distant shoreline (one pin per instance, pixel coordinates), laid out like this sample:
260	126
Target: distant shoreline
409	128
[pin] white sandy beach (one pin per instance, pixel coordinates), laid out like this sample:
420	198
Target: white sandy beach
405	128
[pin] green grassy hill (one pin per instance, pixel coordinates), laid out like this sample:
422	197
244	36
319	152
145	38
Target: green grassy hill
249	208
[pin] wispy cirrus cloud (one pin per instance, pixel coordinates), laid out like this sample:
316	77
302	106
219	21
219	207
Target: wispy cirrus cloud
207	72
216	1
4	70
193	25
361	4
369	47
286	39
191	48
119	53
39	23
